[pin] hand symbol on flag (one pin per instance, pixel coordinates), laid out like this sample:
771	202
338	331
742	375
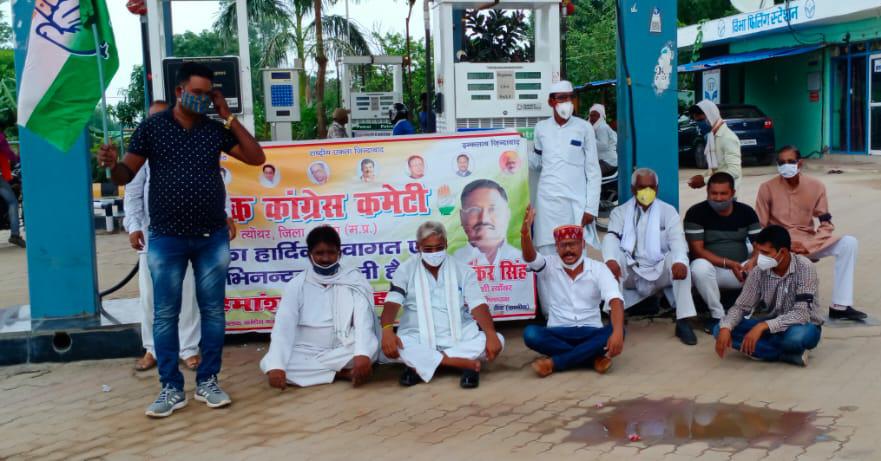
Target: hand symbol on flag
59	24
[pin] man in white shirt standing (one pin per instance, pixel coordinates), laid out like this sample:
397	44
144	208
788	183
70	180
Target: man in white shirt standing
575	335
443	306
325	327
646	251
565	157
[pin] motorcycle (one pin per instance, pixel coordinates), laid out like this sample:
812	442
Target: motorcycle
608	200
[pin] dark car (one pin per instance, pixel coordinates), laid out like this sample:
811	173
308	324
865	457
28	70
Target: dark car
754	129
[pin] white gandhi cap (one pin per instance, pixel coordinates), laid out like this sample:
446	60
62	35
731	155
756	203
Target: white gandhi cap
563	86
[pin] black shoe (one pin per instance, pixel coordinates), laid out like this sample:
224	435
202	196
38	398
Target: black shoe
710	325
847	314
470	379
17	241
685	333
409	378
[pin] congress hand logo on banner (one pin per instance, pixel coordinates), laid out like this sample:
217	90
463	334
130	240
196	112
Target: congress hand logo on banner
60	23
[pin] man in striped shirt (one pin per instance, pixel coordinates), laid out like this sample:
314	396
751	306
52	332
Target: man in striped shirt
777	316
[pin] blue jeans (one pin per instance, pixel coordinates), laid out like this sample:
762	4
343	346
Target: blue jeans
167	257
8	196
568	347
772	346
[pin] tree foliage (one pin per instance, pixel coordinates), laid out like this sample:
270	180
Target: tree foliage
497	36
695	11
130	110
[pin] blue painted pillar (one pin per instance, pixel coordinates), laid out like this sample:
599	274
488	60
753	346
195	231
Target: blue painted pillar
62	274
648	135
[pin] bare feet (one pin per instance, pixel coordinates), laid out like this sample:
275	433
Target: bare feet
460	363
345	374
543	366
193	362
602	364
145	363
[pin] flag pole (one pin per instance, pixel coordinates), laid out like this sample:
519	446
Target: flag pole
103	90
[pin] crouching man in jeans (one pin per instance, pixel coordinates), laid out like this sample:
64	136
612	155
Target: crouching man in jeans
187	223
780	298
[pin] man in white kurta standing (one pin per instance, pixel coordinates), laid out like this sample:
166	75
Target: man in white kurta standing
565	157
443	306
325	325
646	251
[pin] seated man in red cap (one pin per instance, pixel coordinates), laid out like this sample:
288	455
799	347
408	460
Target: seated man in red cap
575	335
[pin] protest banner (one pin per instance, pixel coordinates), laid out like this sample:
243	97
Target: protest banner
376	192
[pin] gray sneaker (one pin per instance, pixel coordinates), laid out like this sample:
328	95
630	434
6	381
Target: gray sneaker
209	392
169	399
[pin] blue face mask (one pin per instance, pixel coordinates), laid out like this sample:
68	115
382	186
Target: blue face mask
195	103
326	271
704	127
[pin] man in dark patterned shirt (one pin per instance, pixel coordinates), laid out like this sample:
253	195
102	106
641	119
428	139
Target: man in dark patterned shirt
187	223
777	316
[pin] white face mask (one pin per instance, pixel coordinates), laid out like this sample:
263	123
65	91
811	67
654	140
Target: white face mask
564	110
434	259
766	262
572	267
788	170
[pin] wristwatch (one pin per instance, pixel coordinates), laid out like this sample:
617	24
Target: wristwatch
229	120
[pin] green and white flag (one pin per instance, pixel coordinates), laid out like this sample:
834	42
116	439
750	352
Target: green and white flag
59	85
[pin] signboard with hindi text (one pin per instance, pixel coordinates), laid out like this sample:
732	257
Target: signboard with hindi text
376	192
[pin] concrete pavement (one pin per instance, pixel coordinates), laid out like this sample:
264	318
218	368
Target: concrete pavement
60	411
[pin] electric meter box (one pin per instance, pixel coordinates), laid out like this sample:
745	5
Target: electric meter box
281	95
502	90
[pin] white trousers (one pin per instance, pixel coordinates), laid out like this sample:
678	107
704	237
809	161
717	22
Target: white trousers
636	289
709	279
425	360
845	253
310	367
189	332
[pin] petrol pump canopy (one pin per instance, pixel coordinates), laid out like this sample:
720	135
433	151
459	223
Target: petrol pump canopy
739	58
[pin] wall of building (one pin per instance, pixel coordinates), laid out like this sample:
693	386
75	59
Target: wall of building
779	87
798	120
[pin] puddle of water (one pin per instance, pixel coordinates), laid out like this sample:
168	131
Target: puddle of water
679	421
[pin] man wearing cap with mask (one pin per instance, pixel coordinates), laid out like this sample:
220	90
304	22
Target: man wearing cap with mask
777	316
607	140
722	149
443	306
565	158
646	251
575	335
795	200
